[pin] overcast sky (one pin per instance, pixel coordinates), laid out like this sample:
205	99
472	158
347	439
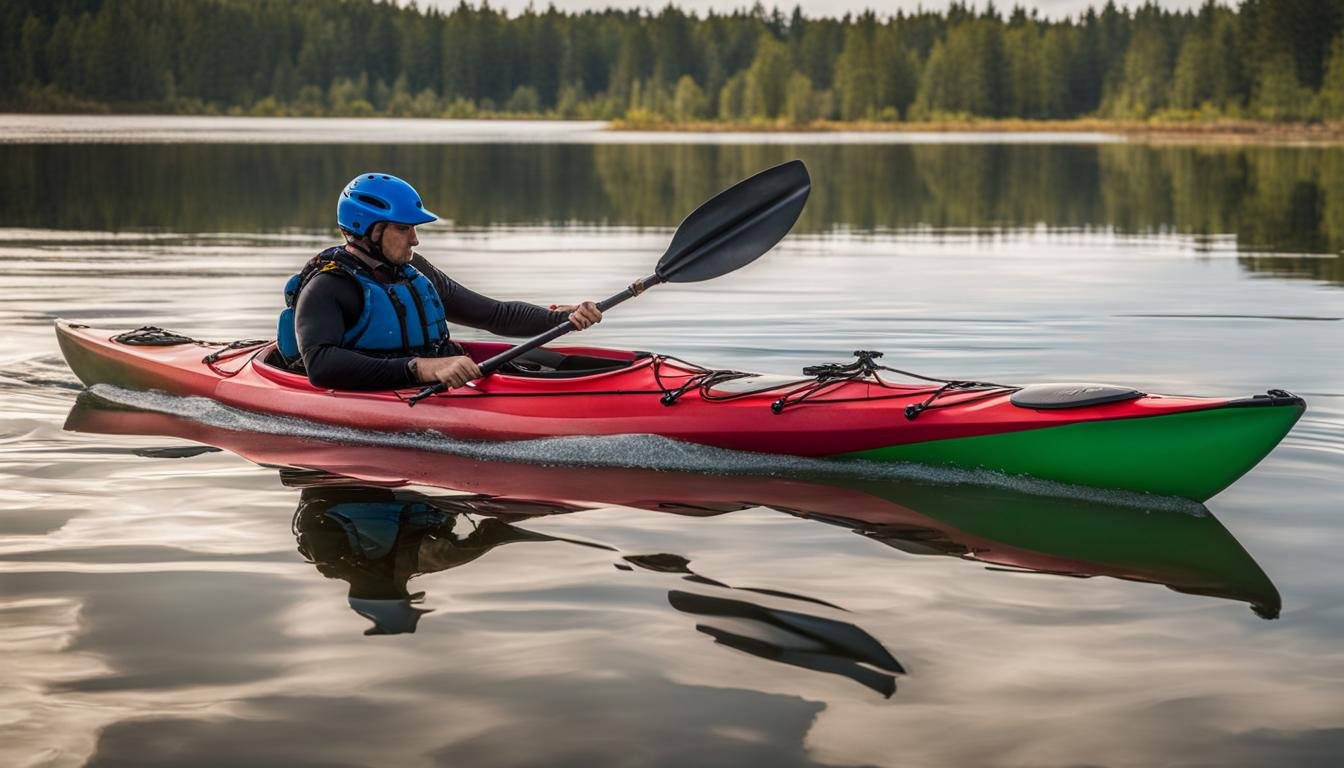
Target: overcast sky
1049	8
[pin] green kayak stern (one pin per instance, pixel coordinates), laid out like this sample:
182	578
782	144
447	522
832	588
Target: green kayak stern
1192	454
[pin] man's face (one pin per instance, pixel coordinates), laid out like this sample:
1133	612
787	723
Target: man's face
398	242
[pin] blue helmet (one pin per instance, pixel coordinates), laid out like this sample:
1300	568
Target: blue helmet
373	197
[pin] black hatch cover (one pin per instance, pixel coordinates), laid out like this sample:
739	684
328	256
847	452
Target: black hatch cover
1077	395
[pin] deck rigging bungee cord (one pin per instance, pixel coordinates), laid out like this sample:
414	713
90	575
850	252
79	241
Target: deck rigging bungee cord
817	379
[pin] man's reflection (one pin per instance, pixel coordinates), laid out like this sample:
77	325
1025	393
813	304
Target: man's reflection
377	539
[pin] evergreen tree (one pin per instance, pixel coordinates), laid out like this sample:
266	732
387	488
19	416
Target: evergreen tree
897	69
800	101
1331	99
767	79
856	78
688	101
1278	95
1147	73
1026	95
968	73
1063	86
732	98
1195	78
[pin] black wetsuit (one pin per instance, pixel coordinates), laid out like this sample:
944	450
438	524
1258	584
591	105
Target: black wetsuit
331	303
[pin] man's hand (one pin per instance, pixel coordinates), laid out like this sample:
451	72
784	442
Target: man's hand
582	315
449	371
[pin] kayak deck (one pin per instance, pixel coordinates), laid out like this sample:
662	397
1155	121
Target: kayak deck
1183	446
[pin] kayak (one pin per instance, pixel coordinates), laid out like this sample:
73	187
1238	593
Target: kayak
1180	545
1096	435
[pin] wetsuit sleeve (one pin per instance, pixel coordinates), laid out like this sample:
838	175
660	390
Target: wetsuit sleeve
329	305
506	318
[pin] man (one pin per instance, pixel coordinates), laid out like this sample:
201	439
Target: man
373	314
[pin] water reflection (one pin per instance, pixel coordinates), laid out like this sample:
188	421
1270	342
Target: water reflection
797	639
1186	550
805	640
378	539
1288	200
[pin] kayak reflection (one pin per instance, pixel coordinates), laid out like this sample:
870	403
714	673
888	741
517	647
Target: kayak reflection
1186	549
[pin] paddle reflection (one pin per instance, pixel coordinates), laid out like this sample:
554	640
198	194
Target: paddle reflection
797	639
789	636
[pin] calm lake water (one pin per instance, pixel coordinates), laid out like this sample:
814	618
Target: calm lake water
302	597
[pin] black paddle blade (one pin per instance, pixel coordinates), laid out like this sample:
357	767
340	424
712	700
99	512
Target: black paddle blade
737	226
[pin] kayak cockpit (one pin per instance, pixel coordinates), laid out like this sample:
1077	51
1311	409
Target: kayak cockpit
553	364
566	363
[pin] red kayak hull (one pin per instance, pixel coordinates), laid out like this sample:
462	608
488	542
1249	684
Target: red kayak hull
856	419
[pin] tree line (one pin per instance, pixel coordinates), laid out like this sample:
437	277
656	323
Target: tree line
1264	59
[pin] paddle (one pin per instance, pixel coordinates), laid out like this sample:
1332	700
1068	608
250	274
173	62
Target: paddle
727	232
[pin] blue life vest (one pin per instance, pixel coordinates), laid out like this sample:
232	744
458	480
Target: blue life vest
404	317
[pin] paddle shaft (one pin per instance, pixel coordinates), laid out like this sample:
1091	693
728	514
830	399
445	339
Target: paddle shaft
692	254
634	289
725	233
493	364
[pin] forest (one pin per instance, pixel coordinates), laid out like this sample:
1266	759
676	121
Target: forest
1265	60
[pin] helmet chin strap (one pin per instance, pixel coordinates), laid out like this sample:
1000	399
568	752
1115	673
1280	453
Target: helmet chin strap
368	246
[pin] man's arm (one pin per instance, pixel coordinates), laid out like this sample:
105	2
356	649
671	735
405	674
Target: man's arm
506	318
328	305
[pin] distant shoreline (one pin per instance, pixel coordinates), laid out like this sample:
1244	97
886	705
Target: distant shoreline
41	128
1230	131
